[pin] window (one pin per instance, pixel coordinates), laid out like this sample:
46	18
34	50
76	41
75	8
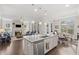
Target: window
67	25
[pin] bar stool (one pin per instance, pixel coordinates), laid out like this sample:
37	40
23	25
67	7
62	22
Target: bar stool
3	40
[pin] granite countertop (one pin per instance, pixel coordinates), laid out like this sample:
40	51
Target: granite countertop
36	38
32	39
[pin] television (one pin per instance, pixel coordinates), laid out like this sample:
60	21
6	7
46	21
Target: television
18	25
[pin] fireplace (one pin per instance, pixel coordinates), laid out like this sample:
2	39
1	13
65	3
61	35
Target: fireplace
18	34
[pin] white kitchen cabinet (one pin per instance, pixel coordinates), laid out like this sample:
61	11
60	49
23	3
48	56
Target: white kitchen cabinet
50	43
28	48
39	48
33	48
46	45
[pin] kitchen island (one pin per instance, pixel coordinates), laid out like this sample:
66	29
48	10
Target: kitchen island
39	44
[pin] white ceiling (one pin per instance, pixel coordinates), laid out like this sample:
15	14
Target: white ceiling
27	11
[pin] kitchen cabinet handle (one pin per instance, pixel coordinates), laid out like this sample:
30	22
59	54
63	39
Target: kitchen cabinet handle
47	45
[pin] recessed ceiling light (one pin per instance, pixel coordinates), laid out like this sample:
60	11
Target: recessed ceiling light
45	23
45	14
35	10
33	22
67	5
40	23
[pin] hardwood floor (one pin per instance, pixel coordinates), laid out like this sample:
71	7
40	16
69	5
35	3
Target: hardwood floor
13	48
62	50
